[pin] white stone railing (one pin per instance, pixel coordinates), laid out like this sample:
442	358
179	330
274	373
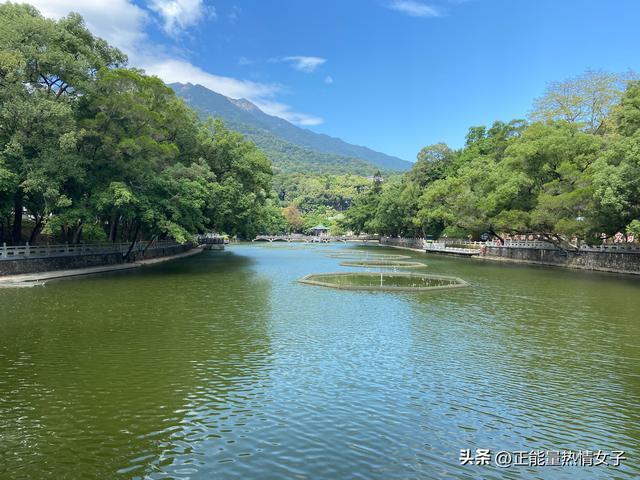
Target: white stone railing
617	247
457	241
452	243
64	250
520	244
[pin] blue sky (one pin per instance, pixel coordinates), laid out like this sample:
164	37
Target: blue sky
394	75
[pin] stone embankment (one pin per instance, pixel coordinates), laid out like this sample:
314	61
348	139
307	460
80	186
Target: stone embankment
36	259
609	258
33	279
621	258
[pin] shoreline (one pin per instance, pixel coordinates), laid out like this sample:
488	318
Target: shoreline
40	278
544	264
516	261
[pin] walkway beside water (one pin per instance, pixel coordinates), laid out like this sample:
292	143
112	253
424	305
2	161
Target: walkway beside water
624	259
34	279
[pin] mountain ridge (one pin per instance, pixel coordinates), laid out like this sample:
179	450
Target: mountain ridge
244	116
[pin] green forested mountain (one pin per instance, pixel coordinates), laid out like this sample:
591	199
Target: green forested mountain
289	158
292	149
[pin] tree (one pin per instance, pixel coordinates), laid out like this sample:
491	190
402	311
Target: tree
270	219
617	171
144	171
89	149
45	66
559	177
585	100
433	164
460	200
555	163
243	180
293	217
627	113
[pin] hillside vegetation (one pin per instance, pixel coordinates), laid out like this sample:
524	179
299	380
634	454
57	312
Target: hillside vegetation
291	148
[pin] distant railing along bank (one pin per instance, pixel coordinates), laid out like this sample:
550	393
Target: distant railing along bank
66	250
622	257
451	243
540	244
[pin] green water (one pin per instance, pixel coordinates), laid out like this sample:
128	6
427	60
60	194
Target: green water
222	366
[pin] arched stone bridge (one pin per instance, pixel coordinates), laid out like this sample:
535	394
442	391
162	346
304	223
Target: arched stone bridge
315	239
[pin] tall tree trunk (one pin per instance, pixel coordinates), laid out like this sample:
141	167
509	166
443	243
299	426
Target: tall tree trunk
65	232
149	243
78	233
492	232
36	229
126	230
113	228
4	229
135	237
16	234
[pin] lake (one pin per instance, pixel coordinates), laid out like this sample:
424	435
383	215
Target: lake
223	366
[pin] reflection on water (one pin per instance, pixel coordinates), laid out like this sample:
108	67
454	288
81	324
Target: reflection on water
131	374
222	366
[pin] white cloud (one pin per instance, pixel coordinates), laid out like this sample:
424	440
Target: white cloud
304	64
284	111
176	70
414	8
122	24
177	15
234	14
328	79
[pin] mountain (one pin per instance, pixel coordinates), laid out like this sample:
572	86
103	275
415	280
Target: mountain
290	148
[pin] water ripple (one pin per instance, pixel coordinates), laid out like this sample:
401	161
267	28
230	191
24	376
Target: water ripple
222	366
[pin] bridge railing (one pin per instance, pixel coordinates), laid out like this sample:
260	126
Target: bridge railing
520	244
451	245
301	237
457	241
64	250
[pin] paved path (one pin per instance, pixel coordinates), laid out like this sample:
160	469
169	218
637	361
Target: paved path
465	252
33	279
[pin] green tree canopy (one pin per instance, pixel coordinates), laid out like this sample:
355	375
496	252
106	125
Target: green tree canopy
90	149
